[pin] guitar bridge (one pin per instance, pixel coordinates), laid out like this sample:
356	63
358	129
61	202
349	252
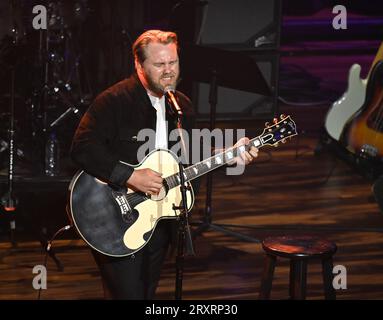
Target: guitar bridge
368	151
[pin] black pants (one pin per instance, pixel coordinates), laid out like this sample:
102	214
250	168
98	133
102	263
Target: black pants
136	276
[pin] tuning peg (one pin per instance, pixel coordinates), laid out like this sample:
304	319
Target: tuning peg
275	120
267	124
283	116
276	144
283	140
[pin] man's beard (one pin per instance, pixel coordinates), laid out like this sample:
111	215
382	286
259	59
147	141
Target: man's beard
157	87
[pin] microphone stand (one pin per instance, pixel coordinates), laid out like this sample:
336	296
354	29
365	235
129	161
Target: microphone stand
184	233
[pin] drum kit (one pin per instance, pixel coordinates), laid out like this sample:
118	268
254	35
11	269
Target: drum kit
43	82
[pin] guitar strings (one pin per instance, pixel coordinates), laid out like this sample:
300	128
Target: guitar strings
377	121
172	181
379	118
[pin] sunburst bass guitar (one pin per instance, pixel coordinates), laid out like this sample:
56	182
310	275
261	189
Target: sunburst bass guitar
363	135
120	222
345	108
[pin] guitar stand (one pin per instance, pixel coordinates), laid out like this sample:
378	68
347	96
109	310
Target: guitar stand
46	244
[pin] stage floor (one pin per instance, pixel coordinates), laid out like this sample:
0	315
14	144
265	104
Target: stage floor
285	192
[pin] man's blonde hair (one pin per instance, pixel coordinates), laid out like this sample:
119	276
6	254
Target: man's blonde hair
139	46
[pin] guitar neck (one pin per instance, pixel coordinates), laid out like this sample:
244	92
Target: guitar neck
214	162
271	135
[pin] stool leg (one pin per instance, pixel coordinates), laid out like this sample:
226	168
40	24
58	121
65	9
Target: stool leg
267	277
327	267
298	276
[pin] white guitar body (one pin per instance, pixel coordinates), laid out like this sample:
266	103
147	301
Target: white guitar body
161	206
343	109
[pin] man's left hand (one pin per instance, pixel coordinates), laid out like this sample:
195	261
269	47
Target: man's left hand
245	157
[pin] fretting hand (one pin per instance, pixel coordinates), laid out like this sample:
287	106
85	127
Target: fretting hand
245	157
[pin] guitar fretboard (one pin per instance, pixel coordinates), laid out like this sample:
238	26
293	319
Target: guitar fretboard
212	163
271	135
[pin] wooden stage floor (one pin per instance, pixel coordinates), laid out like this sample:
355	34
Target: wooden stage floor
285	192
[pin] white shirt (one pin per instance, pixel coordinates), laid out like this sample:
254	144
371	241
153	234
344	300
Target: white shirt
161	124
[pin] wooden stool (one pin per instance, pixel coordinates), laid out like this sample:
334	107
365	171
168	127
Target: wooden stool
299	249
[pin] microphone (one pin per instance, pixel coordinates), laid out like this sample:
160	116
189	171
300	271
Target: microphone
169	94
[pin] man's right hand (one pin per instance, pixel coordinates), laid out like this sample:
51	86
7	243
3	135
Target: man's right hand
145	180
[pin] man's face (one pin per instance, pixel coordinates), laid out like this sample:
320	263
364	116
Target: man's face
160	68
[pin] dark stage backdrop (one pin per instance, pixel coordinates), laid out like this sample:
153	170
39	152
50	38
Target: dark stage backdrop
90	49
252	28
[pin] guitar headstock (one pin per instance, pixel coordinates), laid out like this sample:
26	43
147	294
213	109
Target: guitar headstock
281	129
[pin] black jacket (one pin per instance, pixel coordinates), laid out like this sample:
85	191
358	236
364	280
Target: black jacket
108	130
